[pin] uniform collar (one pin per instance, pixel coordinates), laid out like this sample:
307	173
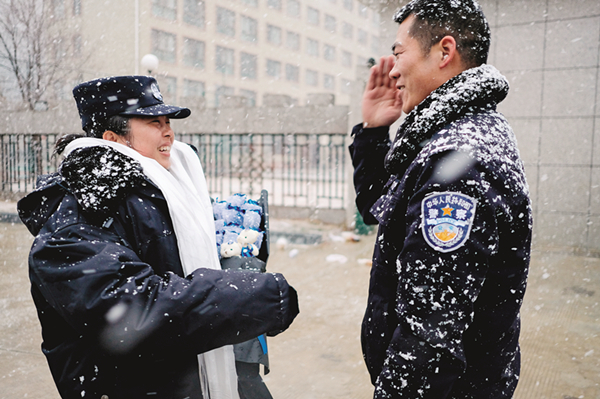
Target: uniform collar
471	91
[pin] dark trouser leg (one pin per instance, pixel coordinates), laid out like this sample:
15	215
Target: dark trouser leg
250	384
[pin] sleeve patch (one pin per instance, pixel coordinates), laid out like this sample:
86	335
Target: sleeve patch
447	219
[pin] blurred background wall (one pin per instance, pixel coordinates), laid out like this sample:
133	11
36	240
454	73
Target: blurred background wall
269	54
549	51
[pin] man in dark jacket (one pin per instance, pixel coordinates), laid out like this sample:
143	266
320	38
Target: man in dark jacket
120	316
449	194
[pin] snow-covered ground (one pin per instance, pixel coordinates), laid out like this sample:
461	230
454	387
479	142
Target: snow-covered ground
320	356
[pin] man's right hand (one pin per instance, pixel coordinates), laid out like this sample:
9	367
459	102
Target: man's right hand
381	104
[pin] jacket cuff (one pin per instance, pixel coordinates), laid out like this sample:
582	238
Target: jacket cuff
370	134
289	308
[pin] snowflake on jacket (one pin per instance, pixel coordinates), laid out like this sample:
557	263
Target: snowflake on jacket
101	177
119	316
451	258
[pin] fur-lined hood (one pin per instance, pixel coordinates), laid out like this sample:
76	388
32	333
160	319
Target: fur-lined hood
99	178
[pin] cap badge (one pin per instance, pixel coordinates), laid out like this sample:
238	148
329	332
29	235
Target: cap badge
156	92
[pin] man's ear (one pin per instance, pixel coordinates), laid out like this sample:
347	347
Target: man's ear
447	50
110	136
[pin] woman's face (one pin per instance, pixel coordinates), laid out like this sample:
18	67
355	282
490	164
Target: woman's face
152	137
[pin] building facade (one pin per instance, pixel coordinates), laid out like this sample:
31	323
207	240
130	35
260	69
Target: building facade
207	49
549	50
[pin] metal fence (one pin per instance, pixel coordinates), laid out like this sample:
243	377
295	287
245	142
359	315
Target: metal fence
298	170
22	158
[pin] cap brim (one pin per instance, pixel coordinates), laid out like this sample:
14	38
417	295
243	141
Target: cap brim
160	110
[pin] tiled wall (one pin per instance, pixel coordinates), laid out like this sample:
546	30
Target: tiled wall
549	51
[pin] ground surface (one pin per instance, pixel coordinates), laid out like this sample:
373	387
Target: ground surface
319	356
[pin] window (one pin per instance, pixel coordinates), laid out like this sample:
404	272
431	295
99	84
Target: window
61	91
249	29
363	11
225	21
59	49
274	35
292	73
362	61
193	88
312	47
293	8
166	9
292	41
312	16
77	45
346	59
329	82
330	23
193	53
312	77
253	3
347	31
329	52
194	13
346	86
375	45
76	7
222	91
59	8
276	4
169	87
376	21
274	69
348	4
224	60
363	37
248	65
164	45
250	97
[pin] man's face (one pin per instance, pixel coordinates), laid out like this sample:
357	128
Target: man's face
416	74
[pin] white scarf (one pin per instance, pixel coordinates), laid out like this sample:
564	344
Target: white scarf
184	187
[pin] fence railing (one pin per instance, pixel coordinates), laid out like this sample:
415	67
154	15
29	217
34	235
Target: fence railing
22	158
298	170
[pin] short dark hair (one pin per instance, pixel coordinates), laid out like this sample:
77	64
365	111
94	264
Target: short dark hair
461	19
116	123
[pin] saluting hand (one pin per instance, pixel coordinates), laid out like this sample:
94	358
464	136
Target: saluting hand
382	104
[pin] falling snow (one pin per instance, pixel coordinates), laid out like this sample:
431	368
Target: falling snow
454	143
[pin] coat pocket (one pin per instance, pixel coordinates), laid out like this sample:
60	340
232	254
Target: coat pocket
385	209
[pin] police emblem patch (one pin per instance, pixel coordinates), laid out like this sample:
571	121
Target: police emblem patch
447	220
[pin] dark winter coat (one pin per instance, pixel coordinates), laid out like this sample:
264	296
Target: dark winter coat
118	316
452	252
